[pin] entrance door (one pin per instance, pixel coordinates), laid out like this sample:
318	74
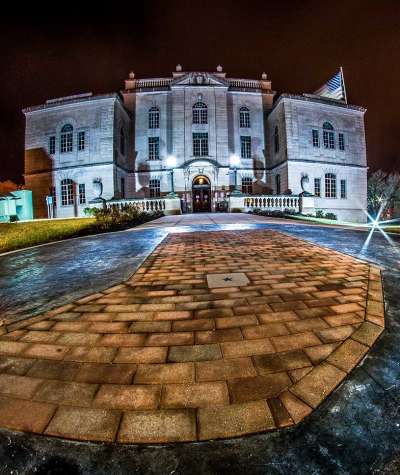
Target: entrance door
201	194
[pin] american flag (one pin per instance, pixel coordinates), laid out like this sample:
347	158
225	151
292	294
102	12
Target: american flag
334	88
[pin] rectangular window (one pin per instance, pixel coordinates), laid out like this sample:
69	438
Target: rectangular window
66	144
82	193
341	142
154	187
200	145
330	185
329	139
81	140
343	189
245	146
154	148
247	185
315	138
317	186
67	192
122	187
52	145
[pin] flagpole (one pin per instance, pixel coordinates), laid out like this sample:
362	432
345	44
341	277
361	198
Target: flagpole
344	85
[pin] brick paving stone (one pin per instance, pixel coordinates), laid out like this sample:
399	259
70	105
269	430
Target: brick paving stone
209	394
280	414
71	326
234	420
320	352
346	308
46	351
237	321
306	324
314	312
180	354
97	317
150	327
164	373
218	336
84	424
66	393
27	416
224	369
367	333
169	425
66	317
108	327
297	409
348	355
44	325
15	365
135	397
297	374
13	335
335	333
175	315
277	317
294	342
264	331
19	386
258	387
133	317
237	349
122	339
168	339
105	373
318	383
343	319
193	325
78	339
278	362
214	313
91	355
48	369
12	347
142	355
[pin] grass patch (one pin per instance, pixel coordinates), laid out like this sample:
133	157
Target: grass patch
391	229
321	220
19	235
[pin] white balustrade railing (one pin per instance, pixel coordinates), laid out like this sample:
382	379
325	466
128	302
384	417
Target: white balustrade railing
272	202
249	83
157	82
152	204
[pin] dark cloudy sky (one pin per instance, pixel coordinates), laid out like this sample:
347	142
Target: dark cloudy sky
300	44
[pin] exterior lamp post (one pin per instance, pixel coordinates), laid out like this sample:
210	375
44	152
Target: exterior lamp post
235	162
171	162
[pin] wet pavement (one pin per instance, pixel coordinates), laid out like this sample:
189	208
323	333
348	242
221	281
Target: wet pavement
355	431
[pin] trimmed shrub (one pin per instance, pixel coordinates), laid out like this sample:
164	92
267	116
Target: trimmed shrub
319	213
331	216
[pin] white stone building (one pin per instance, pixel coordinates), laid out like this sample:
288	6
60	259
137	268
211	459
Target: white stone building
195	134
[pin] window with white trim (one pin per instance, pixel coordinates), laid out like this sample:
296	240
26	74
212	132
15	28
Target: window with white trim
200	115
81	140
343	189
245	146
154	188
67	192
329	135
315	138
247	185
154	148
52	145
317	186
330	185
154	118
66	139
82	193
244	117
341	141
200	144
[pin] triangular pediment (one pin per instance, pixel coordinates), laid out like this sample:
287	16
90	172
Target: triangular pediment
199	79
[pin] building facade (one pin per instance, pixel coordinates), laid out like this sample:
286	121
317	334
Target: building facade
200	135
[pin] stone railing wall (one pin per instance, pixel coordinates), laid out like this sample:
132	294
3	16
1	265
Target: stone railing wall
166	205
271	202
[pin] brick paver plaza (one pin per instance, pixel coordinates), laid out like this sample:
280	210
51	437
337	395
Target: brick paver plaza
166	356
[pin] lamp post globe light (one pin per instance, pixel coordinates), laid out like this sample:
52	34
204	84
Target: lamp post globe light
171	163
235	162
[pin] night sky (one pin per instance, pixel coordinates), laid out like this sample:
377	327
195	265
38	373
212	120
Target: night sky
299	44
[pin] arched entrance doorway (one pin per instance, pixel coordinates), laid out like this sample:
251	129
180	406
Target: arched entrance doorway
201	194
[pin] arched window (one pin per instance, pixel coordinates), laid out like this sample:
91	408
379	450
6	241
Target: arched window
247	185
154	188
276	139
154	118
67	192
122	141
244	117
330	185
66	140
329	135
278	184
200	115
